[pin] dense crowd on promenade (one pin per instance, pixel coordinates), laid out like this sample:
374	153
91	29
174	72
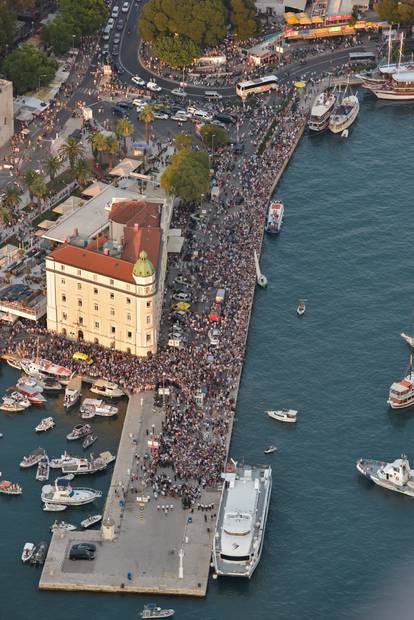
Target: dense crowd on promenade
225	260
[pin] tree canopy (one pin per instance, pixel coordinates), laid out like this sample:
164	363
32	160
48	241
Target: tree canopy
7	27
176	51
243	19
214	135
396	12
187	176
27	67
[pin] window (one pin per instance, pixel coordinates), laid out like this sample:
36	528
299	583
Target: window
63	281
96	307
95	291
96	341
148	304
113	329
79	286
147	289
111	282
128	299
128	316
63	331
63	298
79	272
112	312
80	303
112	296
64	316
81	320
128	350
96	324
62	267
95	277
148	319
148	337
129	334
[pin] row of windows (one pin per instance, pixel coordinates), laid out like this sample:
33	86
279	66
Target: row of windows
96	290
96	307
111	295
95	277
113	328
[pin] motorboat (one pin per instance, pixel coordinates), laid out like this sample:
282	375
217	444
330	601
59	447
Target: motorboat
27	551
107	456
13	362
45	425
401	394
260	277
283	415
19	398
97	407
345	133
33	458
62	526
408	339
47	368
89	440
83	466
345	113
30	382
32	393
270	450
42	473
153	611
79	431
62	493
396	476
11	406
72	392
241	519
53	507
91	520
87	414
10	488
39	554
321	111
49	384
106	388
66	477
301	308
58	462
274	217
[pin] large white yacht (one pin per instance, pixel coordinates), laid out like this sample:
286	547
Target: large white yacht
396	476
241	520
62	493
321	111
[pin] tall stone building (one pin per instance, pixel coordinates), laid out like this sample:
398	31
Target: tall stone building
6	111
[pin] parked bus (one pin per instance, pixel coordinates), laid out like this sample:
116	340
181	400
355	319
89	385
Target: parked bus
361	57
260	85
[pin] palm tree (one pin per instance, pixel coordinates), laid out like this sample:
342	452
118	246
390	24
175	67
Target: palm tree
72	150
12	198
112	148
98	144
5	216
82	172
39	188
29	177
147	116
123	129
52	165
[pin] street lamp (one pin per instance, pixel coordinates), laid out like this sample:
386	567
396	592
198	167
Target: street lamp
40	77
73	41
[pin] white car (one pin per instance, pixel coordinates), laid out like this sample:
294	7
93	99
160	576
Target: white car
115	11
182	297
214	337
153	86
110	23
138	103
179	92
137	80
125	7
163	116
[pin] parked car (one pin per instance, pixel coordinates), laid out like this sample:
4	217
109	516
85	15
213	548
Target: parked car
153	86
214	337
179	316
184	281
182	296
117	68
227	119
118	111
115	50
137	80
125	7
120	24
117	38
81	553
181	306
85	545
160	114
115	11
110	23
180	117
212	94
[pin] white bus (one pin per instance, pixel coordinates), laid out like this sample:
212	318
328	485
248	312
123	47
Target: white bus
260	85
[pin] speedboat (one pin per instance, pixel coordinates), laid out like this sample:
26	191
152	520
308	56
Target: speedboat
283	415
49	384
45	425
301	309
72	392
401	394
62	493
106	388
408	339
396	476
153	611
93	406
10	488
27	551
53	507
270	449
11	406
91	520
39	554
79	431
19	398
90	439
274	217
42	473
33	458
62	526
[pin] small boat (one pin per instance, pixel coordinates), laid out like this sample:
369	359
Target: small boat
45	425
408	339
106	456
32	393
90	439
153	611
39	554
48	384
401	394
79	431
66	477
10	488
77	467
93	406
283	415
301	309
11	406
72	392
57	463
63	493
62	525
91	520
260	277
345	133
19	398
87	414
33	458
270	450
106	388
30	382
42	473
13	362
53	507
274	218
27	551
396	476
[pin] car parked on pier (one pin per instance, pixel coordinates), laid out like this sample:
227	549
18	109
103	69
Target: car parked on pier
182	296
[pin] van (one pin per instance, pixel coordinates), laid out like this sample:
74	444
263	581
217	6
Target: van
106	33
202	115
212	94
82	357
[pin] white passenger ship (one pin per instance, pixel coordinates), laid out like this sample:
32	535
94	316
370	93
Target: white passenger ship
396	476
345	113
401	393
321	111
241	520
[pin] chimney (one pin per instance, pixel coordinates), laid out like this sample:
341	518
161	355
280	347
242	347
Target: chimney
106	251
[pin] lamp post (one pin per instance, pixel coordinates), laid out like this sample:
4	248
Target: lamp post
73	41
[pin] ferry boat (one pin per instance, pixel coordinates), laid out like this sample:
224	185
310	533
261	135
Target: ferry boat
274	217
42	473
62	493
33	458
72	392
45	425
79	431
321	111
10	488
83	466
241	520
94	406
45	367
106	388
401	392
396	476
344	113
283	415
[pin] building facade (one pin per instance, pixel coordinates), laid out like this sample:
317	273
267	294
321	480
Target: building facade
6	112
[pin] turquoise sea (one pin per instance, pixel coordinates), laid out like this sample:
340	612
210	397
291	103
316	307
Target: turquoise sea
336	547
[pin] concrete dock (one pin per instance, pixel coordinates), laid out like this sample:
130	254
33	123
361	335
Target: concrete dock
144	555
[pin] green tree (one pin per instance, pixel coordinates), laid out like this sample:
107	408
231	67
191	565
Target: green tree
98	144
7	27
243	19
59	34
5	216
72	150
176	51
187	176
88	15
29	177
123	129
28	67
82	171
52	166
183	141
12	198
112	148
214	136
39	188
147	116
388	10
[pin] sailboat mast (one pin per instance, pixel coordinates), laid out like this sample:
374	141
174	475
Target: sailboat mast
389	47
400	54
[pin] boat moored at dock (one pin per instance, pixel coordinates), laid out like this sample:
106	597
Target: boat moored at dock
42	473
79	431
33	458
83	466
72	392
107	388
39	554
93	406
62	493
47	368
241	520
274	217
321	111
27	551
45	425
344	113
396	476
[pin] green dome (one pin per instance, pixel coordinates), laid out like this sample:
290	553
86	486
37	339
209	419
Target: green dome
143	268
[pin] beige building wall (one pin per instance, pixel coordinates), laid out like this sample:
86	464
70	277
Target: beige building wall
6	111
96	308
